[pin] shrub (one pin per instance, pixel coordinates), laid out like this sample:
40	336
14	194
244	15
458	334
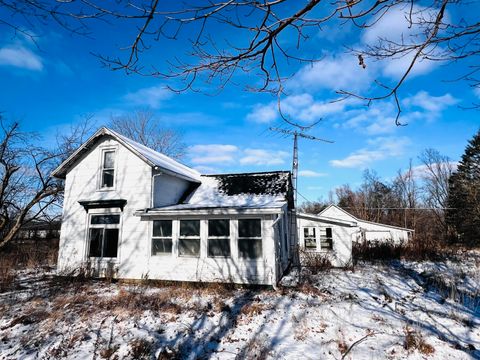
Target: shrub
315	262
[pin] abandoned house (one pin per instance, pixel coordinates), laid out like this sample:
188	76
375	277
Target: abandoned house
133	213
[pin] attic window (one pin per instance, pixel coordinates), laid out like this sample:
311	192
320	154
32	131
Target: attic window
108	169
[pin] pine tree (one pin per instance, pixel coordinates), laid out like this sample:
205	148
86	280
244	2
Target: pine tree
464	195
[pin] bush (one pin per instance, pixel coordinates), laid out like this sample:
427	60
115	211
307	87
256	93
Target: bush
315	262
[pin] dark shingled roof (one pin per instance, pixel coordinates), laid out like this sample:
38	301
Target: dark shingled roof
262	183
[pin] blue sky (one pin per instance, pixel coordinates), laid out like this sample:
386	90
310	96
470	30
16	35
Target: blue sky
53	84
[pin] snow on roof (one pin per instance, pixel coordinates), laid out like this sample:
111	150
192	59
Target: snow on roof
247	191
152	157
159	159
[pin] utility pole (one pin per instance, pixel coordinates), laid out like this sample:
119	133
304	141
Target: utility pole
295	135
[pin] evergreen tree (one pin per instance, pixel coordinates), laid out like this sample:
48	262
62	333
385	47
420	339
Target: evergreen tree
464	195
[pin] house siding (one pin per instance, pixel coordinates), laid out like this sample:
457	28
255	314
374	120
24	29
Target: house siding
132	182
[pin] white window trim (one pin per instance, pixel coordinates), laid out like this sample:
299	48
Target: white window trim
103	150
89	226
199	237
152	237
238	238
227	238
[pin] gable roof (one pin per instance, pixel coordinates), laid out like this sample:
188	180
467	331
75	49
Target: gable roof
360	220
326	219
151	157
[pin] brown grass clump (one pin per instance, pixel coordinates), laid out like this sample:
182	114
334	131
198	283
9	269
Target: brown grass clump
414	341
140	348
253	309
316	262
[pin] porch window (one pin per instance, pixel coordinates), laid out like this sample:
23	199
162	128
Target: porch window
162	237
250	238
108	169
189	240
310	238
219	238
326	239
103	236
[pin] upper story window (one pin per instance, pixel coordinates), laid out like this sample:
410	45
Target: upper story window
108	169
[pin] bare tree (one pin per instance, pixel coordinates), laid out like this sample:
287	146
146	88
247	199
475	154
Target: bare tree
28	192
231	36
142	127
435	173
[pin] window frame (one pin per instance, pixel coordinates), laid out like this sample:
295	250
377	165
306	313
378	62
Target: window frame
103	151
327	239
103	227
171	237
239	238
315	232
227	238
189	237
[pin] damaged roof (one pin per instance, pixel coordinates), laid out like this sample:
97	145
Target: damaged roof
241	191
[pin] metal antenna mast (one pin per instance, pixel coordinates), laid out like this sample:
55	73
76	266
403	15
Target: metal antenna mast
297	134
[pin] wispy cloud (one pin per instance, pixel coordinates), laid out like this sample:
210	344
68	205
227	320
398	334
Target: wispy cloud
377	149
213	154
301	107
432	105
263	157
19	56
311	173
151	96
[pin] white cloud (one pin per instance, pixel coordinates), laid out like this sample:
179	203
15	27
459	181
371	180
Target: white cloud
301	108
19	56
263	114
335	73
213	154
394	26
311	173
433	105
263	157
380	148
151	96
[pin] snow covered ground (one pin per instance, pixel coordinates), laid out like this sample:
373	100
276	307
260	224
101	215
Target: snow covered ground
399	310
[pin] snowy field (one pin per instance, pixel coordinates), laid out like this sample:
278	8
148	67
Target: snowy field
397	311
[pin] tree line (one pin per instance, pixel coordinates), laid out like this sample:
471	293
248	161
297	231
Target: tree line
439	199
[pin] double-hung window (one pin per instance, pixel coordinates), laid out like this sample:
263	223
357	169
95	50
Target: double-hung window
108	169
326	239
162	237
309	238
219	238
189	239
250	238
103	236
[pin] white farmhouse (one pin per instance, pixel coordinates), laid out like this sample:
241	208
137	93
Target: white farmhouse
133	213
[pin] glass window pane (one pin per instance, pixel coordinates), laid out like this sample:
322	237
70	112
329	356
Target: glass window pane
109	159
162	228
110	243
219	227
189	227
219	247
105	219
95	243
161	246
189	247
107	178
309	237
249	228
328	232
250	248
